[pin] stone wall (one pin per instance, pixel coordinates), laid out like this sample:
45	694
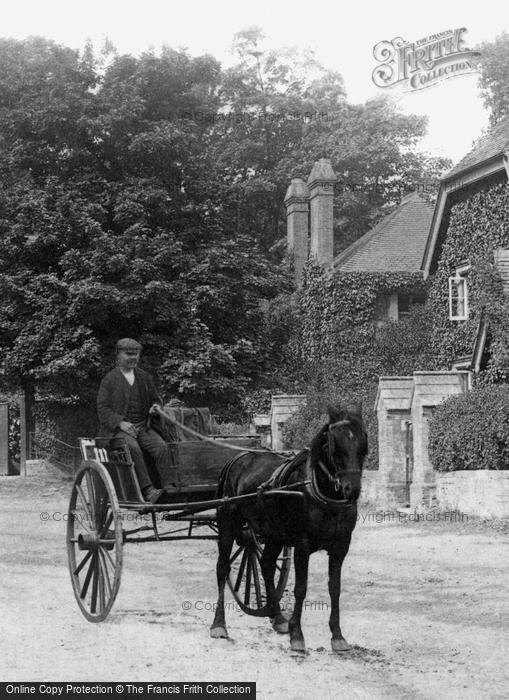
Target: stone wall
407	477
484	493
373	491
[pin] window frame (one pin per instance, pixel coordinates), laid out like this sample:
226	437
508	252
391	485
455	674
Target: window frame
461	275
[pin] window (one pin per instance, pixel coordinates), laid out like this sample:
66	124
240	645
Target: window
458	295
405	301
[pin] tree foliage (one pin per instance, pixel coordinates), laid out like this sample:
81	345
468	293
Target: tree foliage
494	79
144	197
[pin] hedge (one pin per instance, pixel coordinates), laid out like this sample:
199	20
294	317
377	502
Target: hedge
471	431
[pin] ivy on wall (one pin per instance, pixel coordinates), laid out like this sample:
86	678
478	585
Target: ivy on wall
345	349
471	431
477	226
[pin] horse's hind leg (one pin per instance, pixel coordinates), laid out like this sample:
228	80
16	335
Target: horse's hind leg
268	566
336	557
226	536
301	561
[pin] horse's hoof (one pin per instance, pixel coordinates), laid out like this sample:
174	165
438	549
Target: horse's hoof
298	645
218	632
280	625
339	645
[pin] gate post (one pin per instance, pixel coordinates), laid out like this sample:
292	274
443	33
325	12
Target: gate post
283	406
4	438
431	388
392	406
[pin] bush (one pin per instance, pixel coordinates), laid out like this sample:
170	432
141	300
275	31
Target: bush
471	431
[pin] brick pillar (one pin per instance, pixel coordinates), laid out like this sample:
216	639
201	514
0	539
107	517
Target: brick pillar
297	215
430	389
321	192
4	438
282	407
393	412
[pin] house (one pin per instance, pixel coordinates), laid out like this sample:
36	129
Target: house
448	247
468	237
395	245
388	259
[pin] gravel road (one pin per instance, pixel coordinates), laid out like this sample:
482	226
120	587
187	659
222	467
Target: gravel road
424	603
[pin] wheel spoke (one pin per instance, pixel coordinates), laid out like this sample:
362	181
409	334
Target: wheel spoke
102	562
108	557
102	599
256	581
93	603
239	550
107	524
84	501
91	492
82	563
80	520
102	504
247	589
241	570
87	580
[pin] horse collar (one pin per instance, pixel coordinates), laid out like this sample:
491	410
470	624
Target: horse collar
333	505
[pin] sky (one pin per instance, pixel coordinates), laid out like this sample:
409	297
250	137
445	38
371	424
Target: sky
342	35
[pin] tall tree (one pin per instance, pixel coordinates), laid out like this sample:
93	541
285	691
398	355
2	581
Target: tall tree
144	196
101	236
281	112
494	79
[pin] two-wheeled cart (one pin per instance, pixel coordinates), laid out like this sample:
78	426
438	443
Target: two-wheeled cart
107	511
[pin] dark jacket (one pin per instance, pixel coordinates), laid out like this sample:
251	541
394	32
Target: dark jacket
113	398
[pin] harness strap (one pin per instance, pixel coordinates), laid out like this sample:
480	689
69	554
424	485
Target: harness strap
330	504
278	477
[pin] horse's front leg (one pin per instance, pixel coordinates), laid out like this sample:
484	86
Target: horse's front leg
226	537
268	563
336	557
301	561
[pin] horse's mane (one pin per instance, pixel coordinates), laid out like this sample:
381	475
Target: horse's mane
316	445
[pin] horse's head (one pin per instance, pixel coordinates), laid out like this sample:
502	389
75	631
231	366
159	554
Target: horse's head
340	450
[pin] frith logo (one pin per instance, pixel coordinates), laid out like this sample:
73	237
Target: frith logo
425	62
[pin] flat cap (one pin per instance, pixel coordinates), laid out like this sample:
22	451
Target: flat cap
128	344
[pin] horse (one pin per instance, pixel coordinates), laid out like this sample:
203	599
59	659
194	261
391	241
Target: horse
327	478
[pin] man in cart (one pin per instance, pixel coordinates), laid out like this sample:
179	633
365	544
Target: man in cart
127	398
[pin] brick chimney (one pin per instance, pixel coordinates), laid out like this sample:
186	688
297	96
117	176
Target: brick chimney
297	214
321	192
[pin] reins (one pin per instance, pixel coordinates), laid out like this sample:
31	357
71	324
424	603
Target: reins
310	484
204	438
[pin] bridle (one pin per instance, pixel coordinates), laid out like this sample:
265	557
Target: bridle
334	480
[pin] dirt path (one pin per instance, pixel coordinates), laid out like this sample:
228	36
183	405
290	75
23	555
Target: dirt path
425	605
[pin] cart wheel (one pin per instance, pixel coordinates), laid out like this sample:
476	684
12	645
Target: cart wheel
94	541
246	580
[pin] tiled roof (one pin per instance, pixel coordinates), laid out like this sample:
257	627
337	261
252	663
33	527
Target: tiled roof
395	244
494	143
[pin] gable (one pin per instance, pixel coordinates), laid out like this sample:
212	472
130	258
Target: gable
488	147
